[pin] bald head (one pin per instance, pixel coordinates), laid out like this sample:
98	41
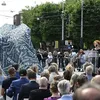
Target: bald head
89	91
96	79
90	94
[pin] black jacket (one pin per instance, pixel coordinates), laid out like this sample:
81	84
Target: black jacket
39	94
26	89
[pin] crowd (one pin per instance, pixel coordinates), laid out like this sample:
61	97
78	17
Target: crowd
50	84
77	57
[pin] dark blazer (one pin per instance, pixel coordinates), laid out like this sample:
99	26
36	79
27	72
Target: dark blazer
26	89
39	94
15	86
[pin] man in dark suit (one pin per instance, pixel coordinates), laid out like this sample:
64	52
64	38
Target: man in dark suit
15	86
6	83
42	92
26	88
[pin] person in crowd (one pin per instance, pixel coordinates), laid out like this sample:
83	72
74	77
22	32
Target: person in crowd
69	47
15	86
66	58
67	74
85	65
42	92
89	91
26	88
56	67
70	68
73	82
6	83
52	72
45	56
96	79
58	78
81	80
46	74
16	66
64	89
97	48
34	67
54	91
89	71
61	59
39	56
55	56
81	58
49	59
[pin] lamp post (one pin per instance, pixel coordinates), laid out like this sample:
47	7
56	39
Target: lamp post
81	38
62	20
62	17
3	3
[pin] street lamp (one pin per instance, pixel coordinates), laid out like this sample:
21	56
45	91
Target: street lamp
81	38
62	20
3	3
62	17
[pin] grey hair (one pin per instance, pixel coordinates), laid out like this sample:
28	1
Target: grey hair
87	64
64	87
89	69
43	82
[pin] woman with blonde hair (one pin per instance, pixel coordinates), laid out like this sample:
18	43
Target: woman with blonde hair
70	68
97	48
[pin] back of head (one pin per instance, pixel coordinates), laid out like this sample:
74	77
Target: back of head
31	75
52	69
23	72
89	70
45	74
11	71
67	75
89	91
96	79
58	78
87	64
56	65
74	78
81	79
64	87
53	87
34	67
43	82
70	68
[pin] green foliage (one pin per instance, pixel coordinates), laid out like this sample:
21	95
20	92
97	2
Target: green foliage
46	24
91	21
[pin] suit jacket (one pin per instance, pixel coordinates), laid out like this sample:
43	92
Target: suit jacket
15	86
39	94
26	89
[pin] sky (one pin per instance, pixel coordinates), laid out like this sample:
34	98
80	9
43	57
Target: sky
14	6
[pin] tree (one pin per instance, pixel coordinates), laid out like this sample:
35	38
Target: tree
91	20
44	21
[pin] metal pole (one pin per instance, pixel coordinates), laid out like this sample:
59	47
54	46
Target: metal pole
62	20
81	39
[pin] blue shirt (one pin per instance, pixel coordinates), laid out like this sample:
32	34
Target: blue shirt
66	97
